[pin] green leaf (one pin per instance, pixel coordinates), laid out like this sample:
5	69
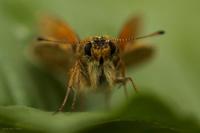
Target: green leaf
143	113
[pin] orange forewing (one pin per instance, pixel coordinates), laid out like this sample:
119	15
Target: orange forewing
133	52
130	29
56	56
58	29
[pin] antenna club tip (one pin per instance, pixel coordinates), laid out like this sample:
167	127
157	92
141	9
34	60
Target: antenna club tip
161	32
40	39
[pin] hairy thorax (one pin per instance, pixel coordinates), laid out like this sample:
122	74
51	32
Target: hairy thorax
93	76
101	76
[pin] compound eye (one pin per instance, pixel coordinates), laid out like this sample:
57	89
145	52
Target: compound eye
87	49
112	48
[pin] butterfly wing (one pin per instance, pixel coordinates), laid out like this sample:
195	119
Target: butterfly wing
137	54
54	55
134	53
130	29
57	29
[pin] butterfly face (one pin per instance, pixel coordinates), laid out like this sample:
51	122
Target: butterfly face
100	49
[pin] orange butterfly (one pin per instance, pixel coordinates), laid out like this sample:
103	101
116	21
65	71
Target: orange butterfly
96	63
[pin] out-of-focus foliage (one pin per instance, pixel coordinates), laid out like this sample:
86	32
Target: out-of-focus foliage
169	85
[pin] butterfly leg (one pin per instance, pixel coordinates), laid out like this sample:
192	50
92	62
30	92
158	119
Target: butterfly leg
76	91
60	109
124	80
69	88
74	101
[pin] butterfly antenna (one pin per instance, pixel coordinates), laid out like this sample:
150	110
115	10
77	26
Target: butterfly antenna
151	35
161	32
41	39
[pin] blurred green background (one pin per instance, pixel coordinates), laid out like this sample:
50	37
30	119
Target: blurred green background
169	99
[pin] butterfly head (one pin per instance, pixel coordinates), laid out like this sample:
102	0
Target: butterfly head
100	48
